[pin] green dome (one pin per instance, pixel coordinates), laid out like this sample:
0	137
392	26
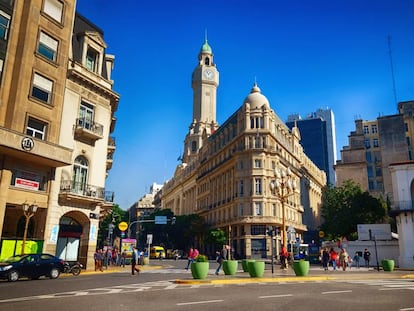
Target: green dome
206	48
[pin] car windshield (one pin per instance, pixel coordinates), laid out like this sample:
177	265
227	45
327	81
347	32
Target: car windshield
13	259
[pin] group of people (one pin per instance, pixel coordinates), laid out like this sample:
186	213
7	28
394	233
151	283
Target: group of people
107	257
342	259
221	256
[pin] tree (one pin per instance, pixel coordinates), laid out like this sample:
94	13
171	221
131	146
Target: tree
343	208
114	217
217	238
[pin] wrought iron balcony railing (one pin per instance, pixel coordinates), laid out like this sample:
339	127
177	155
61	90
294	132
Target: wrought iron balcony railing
402	206
82	189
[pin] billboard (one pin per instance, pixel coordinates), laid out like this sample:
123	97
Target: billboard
378	231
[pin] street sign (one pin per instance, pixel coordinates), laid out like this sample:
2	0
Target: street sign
160	220
123	226
149	238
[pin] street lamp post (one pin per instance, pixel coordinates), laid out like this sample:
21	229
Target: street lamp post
29	211
283	186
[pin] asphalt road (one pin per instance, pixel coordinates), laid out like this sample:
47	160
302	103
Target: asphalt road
156	289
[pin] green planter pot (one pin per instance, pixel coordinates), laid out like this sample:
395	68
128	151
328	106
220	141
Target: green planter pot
199	270
256	268
244	264
388	264
301	267
230	267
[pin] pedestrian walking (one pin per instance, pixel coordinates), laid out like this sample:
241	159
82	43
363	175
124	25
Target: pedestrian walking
98	260
283	257
356	259
333	256
367	257
123	259
192	254
343	258
222	255
325	258
134	261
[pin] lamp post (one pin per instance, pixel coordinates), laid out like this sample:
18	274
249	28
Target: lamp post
29	211
283	186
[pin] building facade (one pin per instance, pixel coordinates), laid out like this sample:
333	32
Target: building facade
57	110
227	172
373	146
318	139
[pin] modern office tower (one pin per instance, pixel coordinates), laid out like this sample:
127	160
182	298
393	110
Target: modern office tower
231	174
318	138
56	115
373	147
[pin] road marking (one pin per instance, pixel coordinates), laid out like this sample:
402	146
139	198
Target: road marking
198	302
407	309
337	292
275	296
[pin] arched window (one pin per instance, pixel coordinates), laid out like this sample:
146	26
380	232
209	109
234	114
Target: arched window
193	146
207	61
80	174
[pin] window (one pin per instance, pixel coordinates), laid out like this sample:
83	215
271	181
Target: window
54	9
408	141
257	163
241	211
366	129
241	188
36	128
258	230
193	146
86	113
47	46
368	156
31	180
4	25
367	144
91	59
374	128
258	185
375	143
42	88
80	174
258	208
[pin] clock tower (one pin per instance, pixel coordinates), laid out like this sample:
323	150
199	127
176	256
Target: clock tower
205	80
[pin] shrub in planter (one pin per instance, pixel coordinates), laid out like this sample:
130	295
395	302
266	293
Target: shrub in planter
230	267
388	264
256	268
200	267
301	267
244	264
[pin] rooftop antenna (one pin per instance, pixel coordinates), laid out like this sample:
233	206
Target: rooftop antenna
392	69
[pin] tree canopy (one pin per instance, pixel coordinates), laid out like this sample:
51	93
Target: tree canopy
344	207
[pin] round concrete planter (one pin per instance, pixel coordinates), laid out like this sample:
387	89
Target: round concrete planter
301	267
244	264
199	270
230	267
256	268
388	264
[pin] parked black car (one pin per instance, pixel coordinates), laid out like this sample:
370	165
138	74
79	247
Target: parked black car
32	266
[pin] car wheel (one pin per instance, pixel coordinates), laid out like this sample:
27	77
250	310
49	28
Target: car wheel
13	276
54	273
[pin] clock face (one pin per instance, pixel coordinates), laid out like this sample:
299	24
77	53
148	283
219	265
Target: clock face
208	74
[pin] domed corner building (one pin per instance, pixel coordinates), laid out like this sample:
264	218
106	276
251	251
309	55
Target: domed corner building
228	172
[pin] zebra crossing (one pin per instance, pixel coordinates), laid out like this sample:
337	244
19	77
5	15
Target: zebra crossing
385	284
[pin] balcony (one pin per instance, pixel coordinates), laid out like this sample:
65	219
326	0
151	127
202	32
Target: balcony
81	193
400	207
109	161
88	129
111	144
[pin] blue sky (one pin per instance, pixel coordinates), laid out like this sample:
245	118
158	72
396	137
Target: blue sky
304	55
